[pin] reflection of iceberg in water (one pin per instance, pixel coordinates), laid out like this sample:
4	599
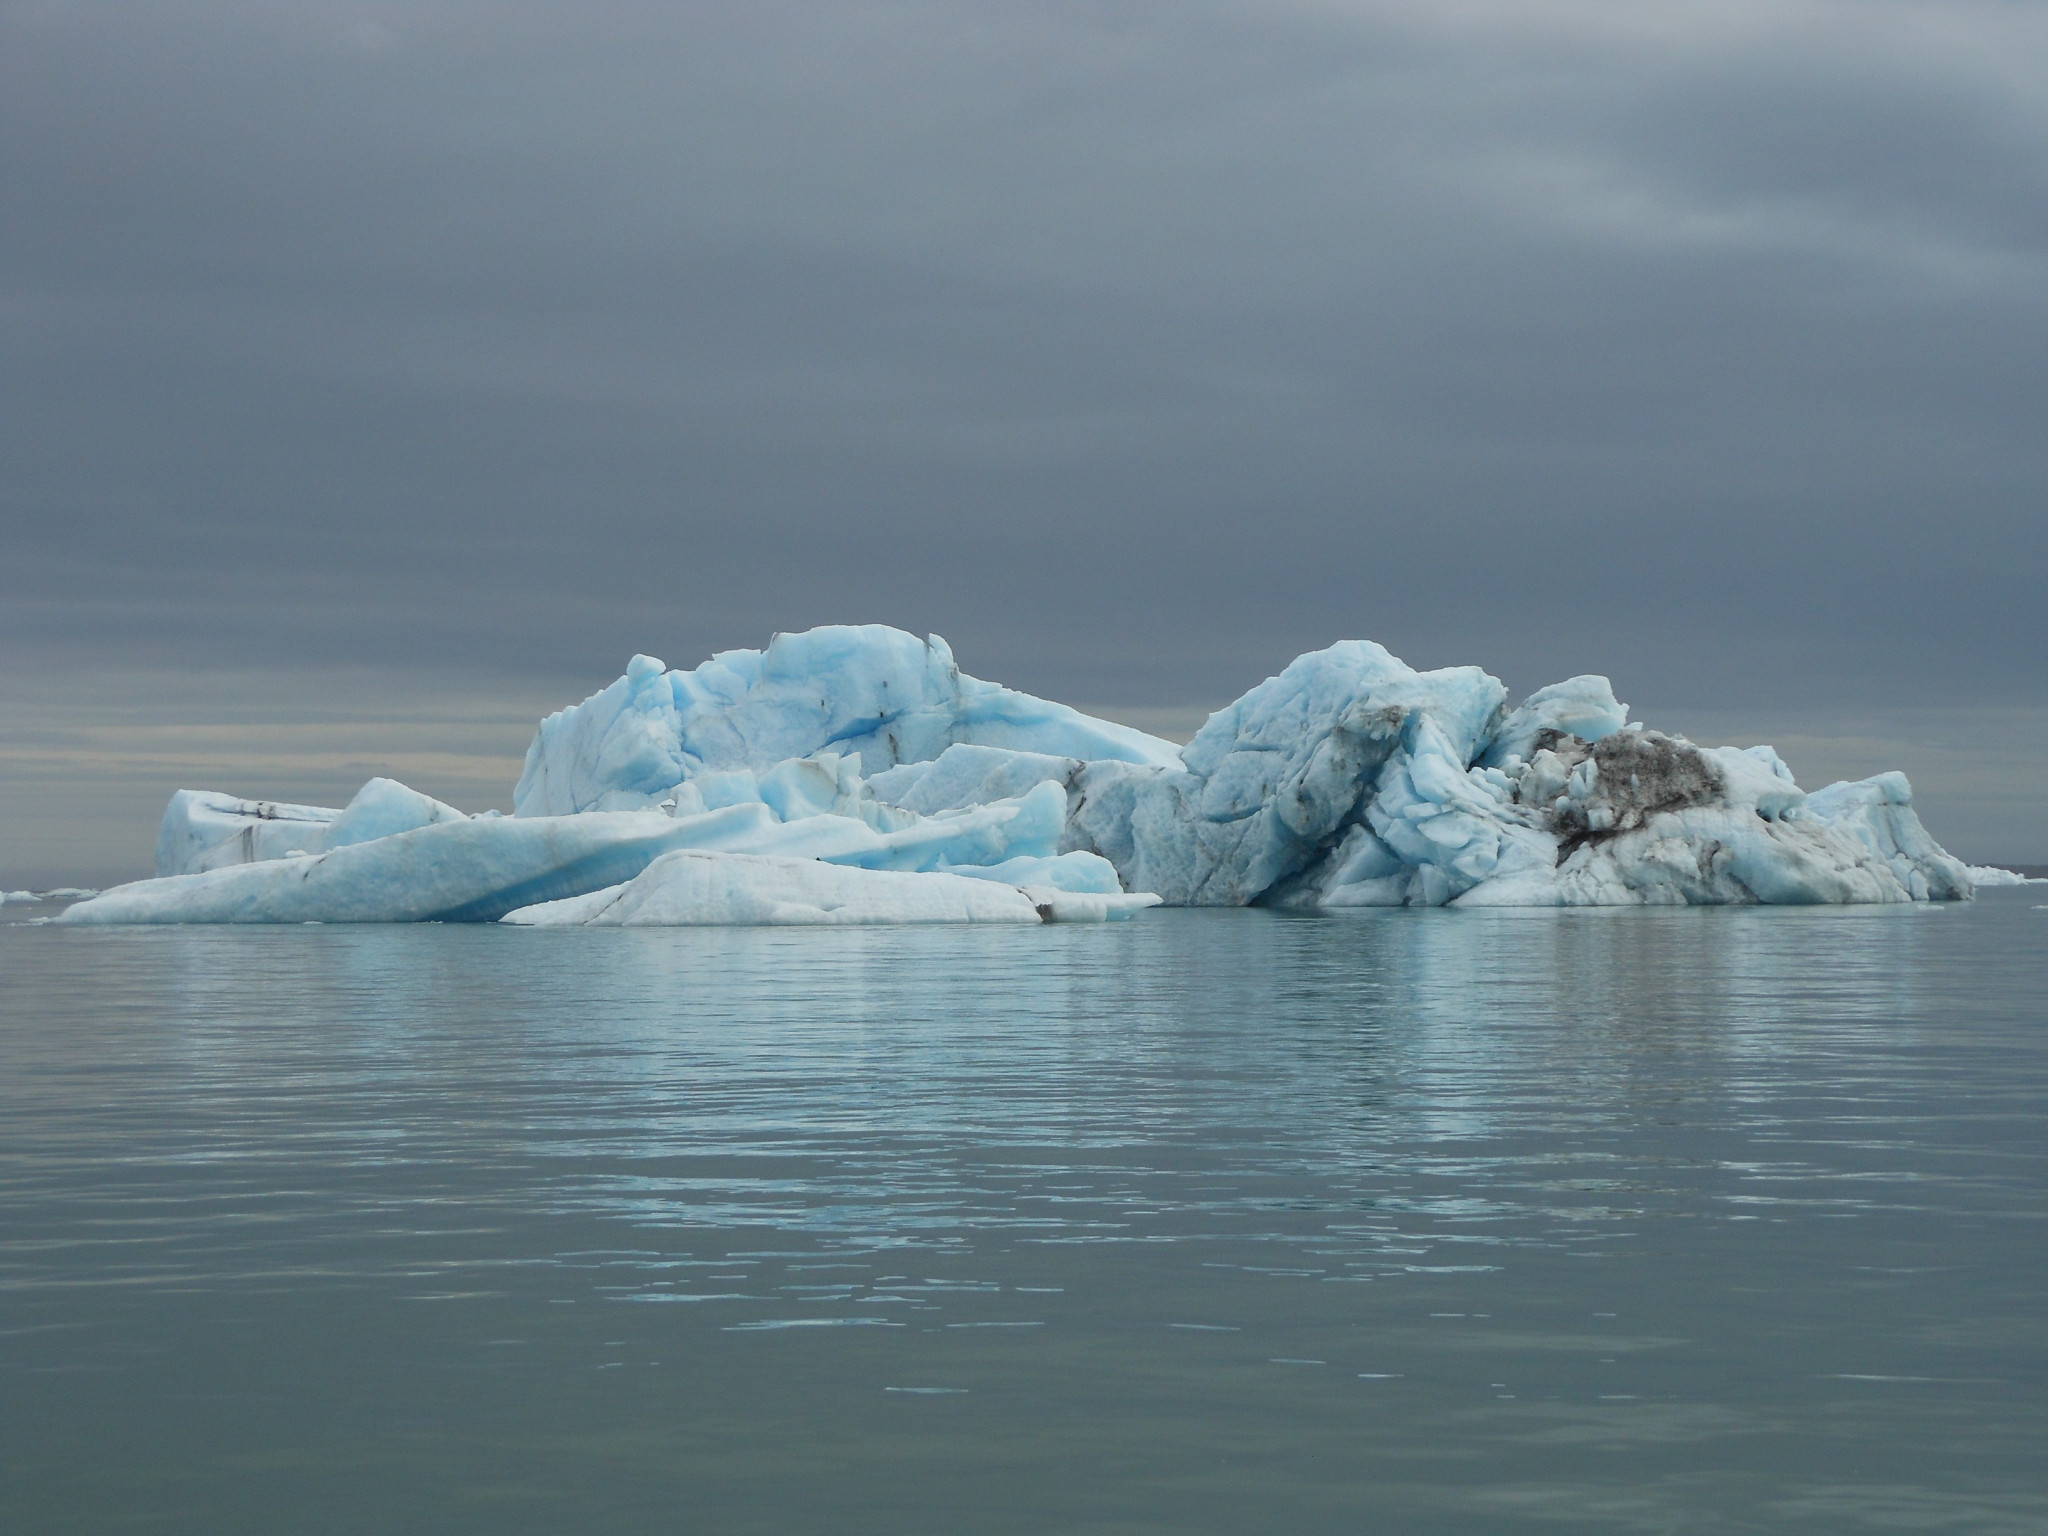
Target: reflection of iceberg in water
1735	1149
1384	1093
1621	1007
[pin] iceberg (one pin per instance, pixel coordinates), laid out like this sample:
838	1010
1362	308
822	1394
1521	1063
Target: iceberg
478	869
1991	874
771	785
475	870
1352	780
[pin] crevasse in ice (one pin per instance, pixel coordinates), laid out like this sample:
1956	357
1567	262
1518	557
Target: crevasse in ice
770	786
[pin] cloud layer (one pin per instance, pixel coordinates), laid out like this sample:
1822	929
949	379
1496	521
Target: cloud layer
1133	348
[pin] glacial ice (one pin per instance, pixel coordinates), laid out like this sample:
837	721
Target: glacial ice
474	870
203	830
1991	874
1651	819
1579	706
876	693
691	887
767	786
477	869
967	774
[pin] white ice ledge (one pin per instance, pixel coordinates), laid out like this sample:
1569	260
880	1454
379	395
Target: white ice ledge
693	888
1991	874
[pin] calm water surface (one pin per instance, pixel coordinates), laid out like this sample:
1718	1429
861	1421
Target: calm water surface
1231	1222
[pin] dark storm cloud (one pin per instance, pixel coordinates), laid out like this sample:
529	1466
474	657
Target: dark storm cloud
1134	348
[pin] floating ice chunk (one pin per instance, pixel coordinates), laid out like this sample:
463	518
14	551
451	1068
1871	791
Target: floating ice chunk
869	691
1991	874
18	896
1579	706
476	869
690	888
693	888
204	830
1062	906
1078	874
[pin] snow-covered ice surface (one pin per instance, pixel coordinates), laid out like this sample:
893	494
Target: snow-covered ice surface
690	888
771	782
1991	874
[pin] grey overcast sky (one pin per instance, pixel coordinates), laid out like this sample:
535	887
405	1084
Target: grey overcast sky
448	353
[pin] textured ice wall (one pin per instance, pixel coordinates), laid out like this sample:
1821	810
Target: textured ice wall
868	691
1348	779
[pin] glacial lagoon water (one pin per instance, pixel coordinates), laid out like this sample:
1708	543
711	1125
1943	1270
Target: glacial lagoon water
1694	1221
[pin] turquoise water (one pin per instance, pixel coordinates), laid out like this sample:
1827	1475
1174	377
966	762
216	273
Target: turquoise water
1227	1221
